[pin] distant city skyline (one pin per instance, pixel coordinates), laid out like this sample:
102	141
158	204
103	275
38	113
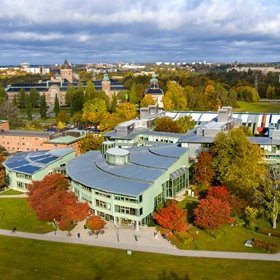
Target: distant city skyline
92	31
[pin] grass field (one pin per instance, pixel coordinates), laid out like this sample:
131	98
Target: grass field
15	212
32	259
10	192
261	107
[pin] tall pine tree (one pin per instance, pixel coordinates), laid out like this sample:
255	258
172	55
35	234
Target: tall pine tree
56	106
21	98
43	107
28	106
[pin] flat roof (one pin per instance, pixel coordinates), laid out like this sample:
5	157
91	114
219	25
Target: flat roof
31	162
26	133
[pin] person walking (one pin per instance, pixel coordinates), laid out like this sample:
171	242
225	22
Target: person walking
14	230
78	235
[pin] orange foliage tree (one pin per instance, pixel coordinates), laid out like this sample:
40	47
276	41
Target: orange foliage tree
204	173
172	217
52	201
95	224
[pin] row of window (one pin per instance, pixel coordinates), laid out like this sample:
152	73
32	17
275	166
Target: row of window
19	175
22	185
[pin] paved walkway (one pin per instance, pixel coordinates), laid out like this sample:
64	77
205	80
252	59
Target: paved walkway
24	195
128	239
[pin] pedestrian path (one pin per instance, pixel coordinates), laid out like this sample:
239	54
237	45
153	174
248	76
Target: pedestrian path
24	195
128	239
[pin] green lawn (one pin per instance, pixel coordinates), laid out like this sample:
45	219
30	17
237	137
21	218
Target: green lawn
33	259
261	107
16	212
10	192
229	239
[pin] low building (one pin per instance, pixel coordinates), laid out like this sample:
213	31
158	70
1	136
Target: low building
22	168
25	140
58	88
126	185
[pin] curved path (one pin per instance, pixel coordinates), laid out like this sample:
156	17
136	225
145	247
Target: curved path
157	247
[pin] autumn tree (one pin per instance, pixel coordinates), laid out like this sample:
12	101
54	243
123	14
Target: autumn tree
185	123
212	213
247	93
171	217
52	201
204	173
109	121
90	142
95	224
126	111
10	112
63	117
167	124
174	98
219	192
147	100
93	110
2	170
238	163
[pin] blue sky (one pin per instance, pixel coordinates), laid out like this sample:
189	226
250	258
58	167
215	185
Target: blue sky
46	32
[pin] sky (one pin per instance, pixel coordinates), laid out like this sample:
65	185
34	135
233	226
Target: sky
92	31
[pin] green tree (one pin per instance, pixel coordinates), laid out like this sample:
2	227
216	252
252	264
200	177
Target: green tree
185	123
114	104
10	112
270	92
90	142
77	99
28	106
247	93
15	101
268	194
69	94
43	107
3	95
132	94
34	97
174	98
56	105
90	91
238	163
21	98
147	100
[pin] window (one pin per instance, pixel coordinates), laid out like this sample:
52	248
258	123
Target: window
102	204
125	210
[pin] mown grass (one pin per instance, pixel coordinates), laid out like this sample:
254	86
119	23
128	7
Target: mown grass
261	107
10	192
15	212
33	259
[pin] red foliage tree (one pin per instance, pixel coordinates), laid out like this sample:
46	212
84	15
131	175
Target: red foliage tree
51	200
172	217
219	192
95	224
204	173
66	225
211	213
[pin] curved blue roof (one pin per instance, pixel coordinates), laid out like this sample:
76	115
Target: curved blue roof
144	167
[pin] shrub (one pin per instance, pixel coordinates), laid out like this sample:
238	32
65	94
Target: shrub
273	232
261	244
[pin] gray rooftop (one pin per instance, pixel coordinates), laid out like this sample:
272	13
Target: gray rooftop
145	166
26	133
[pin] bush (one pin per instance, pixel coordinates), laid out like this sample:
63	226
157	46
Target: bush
184	237
260	244
273	232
